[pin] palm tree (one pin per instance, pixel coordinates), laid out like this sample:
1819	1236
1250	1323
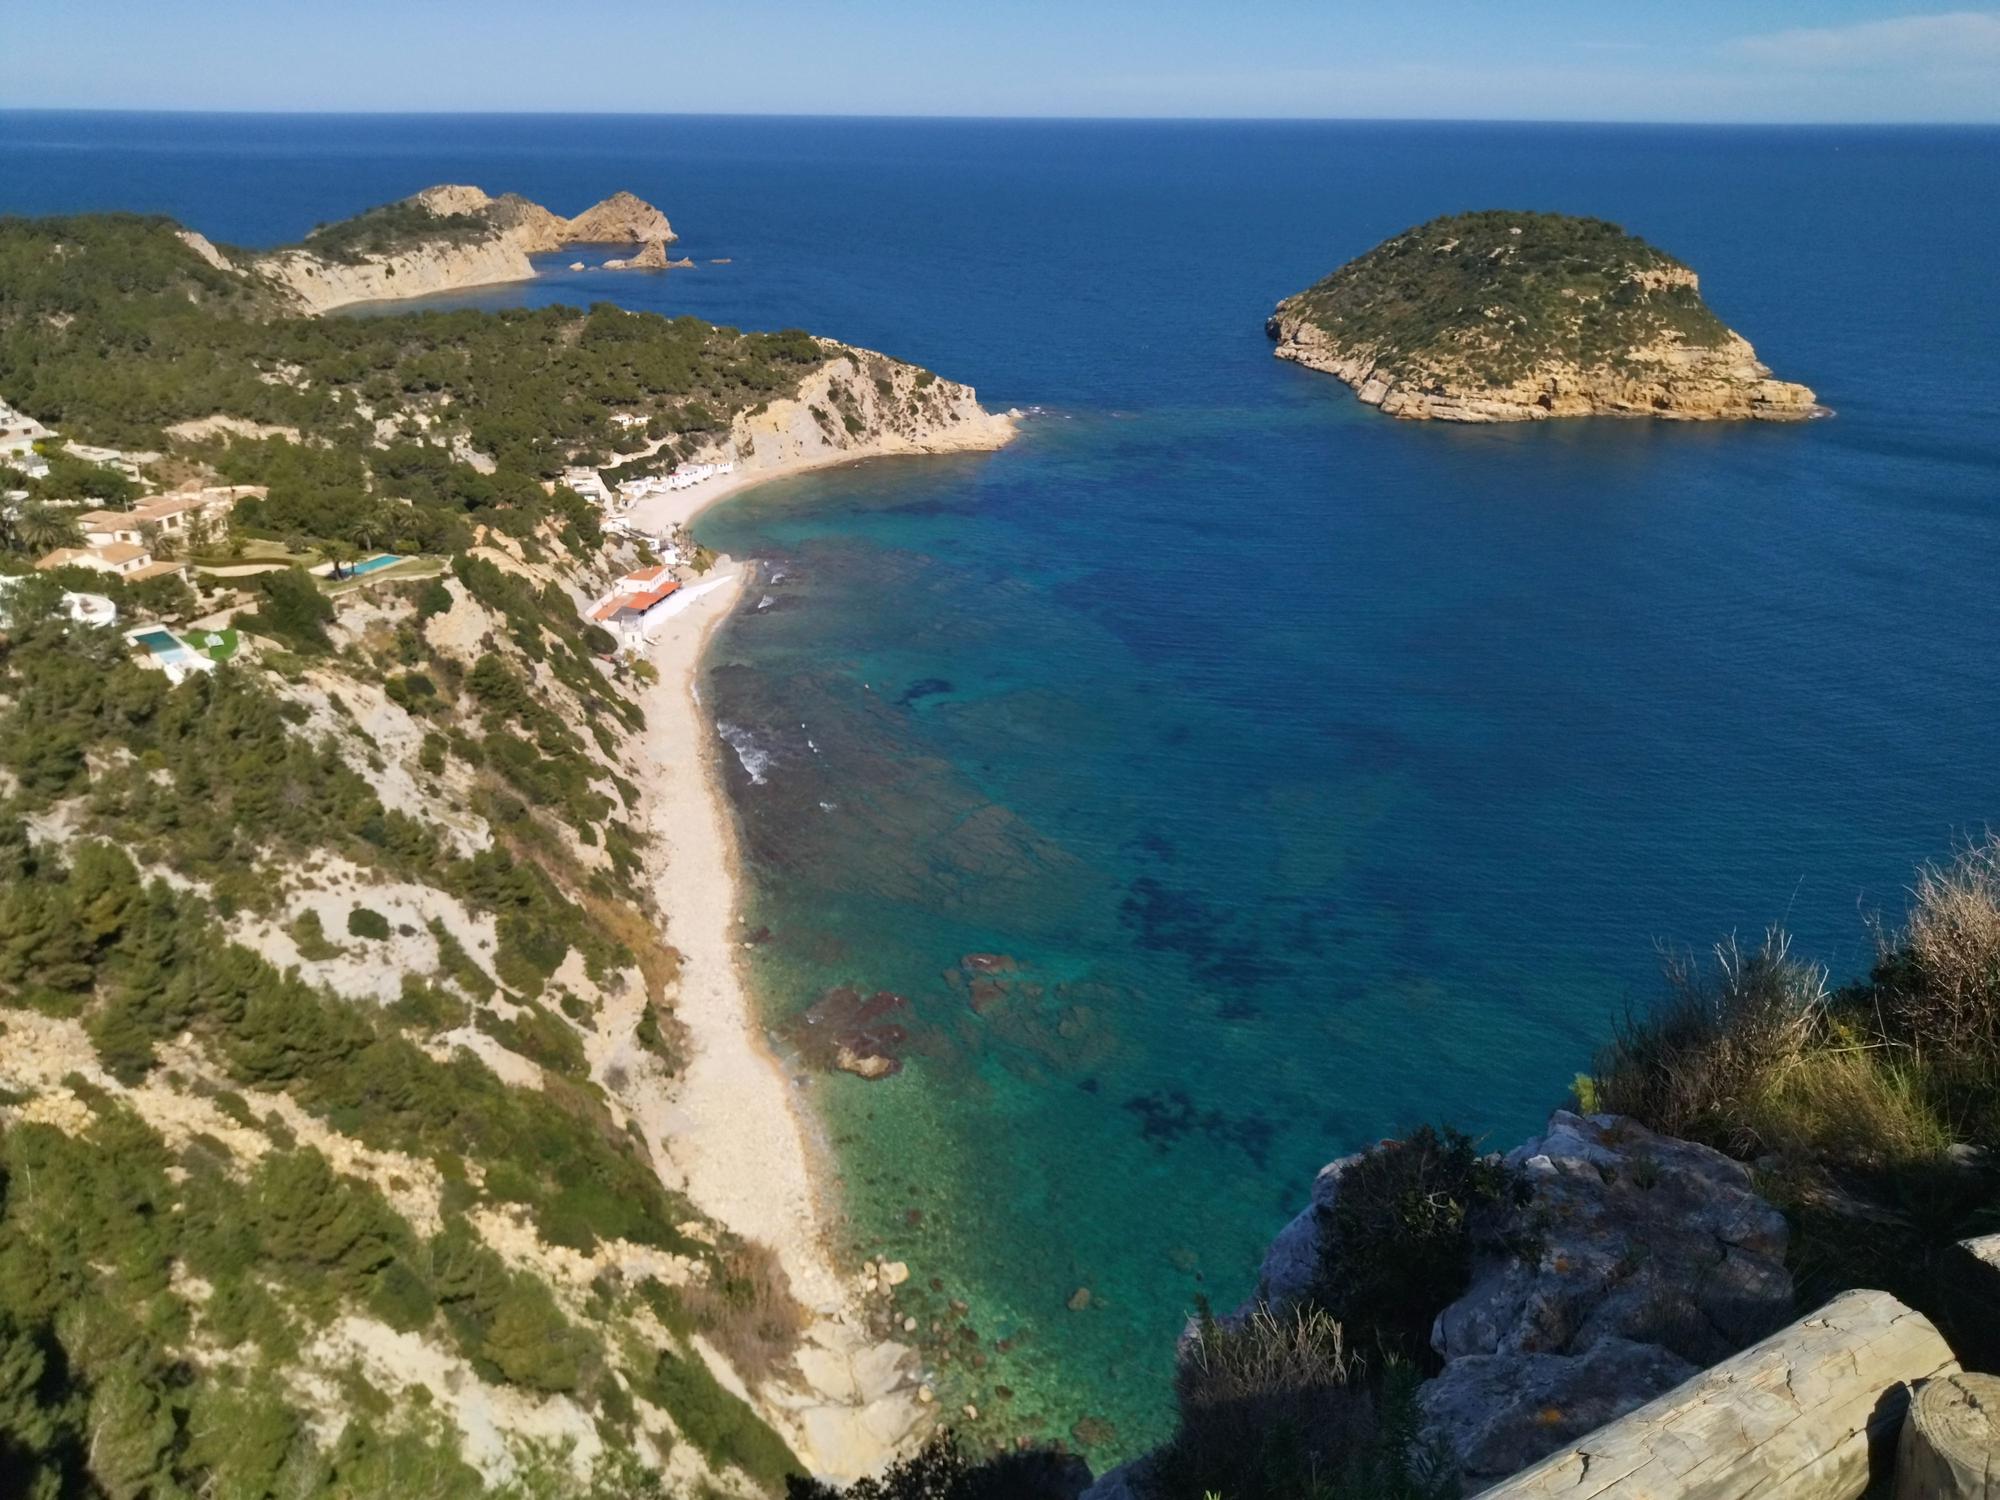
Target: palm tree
36	528
369	529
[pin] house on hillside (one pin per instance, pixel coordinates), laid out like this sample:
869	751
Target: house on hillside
587	483
110	528
184	510
82	609
127	560
19	433
636	602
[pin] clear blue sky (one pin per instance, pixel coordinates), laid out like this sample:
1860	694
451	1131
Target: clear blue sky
1737	60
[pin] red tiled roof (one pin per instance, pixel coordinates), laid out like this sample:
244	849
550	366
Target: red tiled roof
637	603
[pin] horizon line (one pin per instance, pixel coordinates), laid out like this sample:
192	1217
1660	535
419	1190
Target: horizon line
247	111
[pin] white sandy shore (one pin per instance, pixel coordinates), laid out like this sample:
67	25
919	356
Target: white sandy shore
743	1138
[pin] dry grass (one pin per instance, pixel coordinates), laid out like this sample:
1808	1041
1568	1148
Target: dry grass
1269	1407
1943	969
1727	1033
747	1310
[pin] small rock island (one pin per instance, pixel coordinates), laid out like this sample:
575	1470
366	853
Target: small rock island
1512	317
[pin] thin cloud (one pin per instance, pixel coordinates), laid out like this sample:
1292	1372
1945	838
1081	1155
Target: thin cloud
1956	40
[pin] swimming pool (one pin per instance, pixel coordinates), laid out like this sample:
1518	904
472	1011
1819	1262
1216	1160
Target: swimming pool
371	564
159	642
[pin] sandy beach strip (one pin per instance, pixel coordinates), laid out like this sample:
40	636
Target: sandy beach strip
739	1131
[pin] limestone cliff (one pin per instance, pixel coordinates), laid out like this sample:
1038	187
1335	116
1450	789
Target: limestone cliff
446	238
863	403
318	284
1510	317
621	219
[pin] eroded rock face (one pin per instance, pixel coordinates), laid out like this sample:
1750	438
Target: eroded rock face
496	249
1635	1261
1670	382
621	219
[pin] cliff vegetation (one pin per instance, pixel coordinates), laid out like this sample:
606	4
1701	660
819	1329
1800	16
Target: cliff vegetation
336	1036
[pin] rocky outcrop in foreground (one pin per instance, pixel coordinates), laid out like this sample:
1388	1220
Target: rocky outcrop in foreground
449	237
1633	1261
1636	1261
1513	317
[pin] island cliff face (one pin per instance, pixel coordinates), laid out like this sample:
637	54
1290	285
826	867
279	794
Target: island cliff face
450	237
1514	317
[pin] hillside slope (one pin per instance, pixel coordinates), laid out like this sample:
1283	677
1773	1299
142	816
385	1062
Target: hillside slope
338	1055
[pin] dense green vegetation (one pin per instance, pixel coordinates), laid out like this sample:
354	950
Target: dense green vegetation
165	1288
113	329
1488	296
203	780
392	227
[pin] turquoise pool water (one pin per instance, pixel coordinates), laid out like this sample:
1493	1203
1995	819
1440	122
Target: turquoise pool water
159	642
373	565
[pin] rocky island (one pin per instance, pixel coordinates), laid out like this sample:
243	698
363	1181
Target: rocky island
1512	317
446	238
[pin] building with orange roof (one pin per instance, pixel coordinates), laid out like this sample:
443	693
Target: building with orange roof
635	602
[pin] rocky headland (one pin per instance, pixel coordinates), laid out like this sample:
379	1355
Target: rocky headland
449	237
1514	317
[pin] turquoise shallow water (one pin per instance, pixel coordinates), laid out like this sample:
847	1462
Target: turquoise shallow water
1319	774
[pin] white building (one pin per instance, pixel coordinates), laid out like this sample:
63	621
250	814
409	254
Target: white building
587	483
636	602
126	560
83	609
19	433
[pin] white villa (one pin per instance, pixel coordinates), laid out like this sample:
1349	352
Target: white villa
19	433
635	602
587	483
116	541
127	560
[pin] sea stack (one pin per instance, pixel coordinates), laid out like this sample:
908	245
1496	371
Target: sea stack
1512	317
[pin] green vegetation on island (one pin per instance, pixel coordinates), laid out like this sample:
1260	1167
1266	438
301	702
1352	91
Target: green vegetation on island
1501	293
1507	316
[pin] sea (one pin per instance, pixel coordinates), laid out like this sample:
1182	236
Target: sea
1224	776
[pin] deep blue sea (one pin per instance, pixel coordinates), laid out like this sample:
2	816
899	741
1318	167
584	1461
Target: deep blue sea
1319	774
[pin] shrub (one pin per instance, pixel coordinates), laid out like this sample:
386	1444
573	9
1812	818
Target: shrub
293	612
1396	1246
941	1471
310	937
1275	1407
1701	1065
366	922
727	1432
747	1309
1941	983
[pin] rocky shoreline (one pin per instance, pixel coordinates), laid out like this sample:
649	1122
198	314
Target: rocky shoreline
1672	384
1515	316
479	240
